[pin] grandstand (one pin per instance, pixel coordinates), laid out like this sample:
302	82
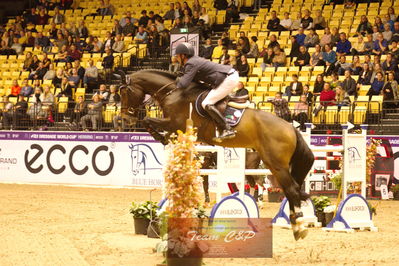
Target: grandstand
102	22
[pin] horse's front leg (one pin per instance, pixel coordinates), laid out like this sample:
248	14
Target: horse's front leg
155	125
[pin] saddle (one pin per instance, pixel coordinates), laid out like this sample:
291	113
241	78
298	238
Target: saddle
232	107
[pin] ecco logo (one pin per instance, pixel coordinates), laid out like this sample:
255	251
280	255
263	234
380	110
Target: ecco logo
40	151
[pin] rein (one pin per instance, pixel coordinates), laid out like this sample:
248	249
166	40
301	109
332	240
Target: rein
155	95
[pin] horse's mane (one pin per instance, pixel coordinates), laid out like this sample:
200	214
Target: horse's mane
161	72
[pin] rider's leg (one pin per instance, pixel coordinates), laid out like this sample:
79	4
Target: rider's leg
215	95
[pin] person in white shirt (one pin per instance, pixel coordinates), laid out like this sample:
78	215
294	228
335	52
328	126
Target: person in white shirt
204	16
286	22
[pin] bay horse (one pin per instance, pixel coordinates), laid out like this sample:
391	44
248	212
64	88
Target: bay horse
280	146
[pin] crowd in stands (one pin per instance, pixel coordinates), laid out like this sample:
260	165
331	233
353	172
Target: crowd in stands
52	49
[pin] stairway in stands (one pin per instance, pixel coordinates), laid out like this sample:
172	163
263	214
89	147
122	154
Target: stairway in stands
390	122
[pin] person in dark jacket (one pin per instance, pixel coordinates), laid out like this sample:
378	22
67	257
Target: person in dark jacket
242	66
303	58
294	47
295	88
349	84
274	22
223	79
206	50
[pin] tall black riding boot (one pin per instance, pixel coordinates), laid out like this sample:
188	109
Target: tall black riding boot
227	132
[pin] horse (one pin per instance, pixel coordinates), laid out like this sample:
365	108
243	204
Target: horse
280	146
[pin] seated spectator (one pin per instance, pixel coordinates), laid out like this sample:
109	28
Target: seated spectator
326	38
267	59
15	118
285	24
349	84
114	97
232	13
66	88
26	89
380	45
225	58
178	24
204	15
39	72
15	88
187	23
129	29
34	63
395	32
116	29
58	18
281	107
318	85
141	36
241	90
174	66
394	50
94	111
48	100
273	42
294	47
376	69
335	36
189	11
217	51
309	95
108	64
301	110
106	9
170	14
42	18
59	75
317	57
341	66
343	46
65	4
356	66
358	46
83	31
62	55
74	78
303	58
365	75
108	42
102	93
242	66
295	88
327	96
279	59
319	21
242	46
206	50
377	85
334	81
16	46
341	97
364	26
375	33
254	50
91	74
81	70
390	64
6	112
307	20
274	22
300	37
296	23
387	33
311	39
378	23
390	91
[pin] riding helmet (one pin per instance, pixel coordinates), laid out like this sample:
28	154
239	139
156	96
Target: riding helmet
185	48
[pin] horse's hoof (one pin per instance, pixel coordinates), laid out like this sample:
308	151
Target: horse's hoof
300	234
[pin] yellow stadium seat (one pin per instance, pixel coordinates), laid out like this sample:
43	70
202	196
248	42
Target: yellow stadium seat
344	115
359	115
330	114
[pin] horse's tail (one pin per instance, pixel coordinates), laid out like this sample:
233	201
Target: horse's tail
301	162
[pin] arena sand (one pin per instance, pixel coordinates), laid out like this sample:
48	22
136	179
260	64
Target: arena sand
58	225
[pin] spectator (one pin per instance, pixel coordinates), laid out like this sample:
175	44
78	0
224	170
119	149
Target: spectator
127	15
254	50
318	85
196	6
380	45
174	66
267	59
42	18
295	88
226	40
93	114
58	18
356	66
73	54
225	58
58	77
6	112
395	50
232	13
243	46
364	26
186	7
178	11
279	59
144	18
375	33
50	74
285	24
274	22
301	110
91	74
187	22
241	90
387	33
390	64
32	17
242	66
377	85
334	81
273	42
129	29
67	86
300	37
220	4
65	4
327	96
365	76
26	89
206	50
16	46
341	97
102	93
79	68
17	116
294	47
47	99
39	72
204	15
108	64
178	24
317	57
79	111
170	14
108	42
311	39
390	91
377	68
303	58
319	21
82	29
391	13
307	20
106	9
395	32
74	78
358	46
378	23
296	23
326	38
15	88
118	45
280	107
343	46
195	19
116	29
308	94
97	44
368	46
335	36
114	97
341	66
349	84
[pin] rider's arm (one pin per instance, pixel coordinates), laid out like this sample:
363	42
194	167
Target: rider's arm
189	73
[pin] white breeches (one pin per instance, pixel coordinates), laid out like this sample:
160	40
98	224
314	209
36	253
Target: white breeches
224	89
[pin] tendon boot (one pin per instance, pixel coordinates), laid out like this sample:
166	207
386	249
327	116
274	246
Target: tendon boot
227	132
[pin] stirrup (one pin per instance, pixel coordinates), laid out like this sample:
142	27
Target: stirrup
226	134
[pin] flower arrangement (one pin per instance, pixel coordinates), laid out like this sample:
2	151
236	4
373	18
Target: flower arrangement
395	188
371	154
274	190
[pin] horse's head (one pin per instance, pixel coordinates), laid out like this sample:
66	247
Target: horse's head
137	158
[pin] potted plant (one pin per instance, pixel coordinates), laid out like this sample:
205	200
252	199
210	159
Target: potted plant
142	213
320	203
395	191
275	194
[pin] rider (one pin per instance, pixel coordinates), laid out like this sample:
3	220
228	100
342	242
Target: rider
223	79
